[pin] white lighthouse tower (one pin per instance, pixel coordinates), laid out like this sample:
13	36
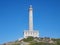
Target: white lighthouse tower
31	32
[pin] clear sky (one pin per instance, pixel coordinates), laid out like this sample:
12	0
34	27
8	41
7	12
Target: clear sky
14	18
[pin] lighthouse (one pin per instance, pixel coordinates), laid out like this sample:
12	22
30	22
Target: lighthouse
31	31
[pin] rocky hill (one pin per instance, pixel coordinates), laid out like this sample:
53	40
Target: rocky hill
35	41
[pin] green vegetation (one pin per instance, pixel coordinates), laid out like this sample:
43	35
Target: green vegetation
36	41
15	44
57	42
28	39
40	43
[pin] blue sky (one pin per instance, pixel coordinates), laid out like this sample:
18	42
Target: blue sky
14	18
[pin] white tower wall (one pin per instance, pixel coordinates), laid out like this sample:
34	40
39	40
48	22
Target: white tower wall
30	18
